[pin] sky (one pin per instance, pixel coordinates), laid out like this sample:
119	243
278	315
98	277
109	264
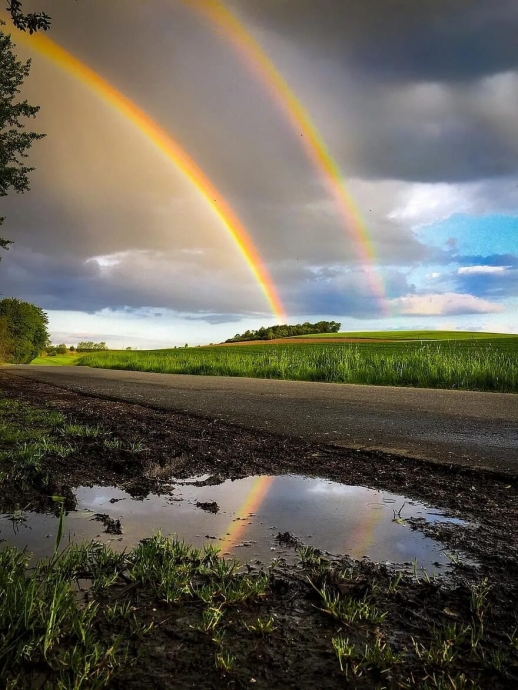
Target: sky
372	166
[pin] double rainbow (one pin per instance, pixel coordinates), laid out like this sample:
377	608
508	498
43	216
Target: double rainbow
305	129
170	148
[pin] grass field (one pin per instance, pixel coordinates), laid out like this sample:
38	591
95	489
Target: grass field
489	364
67	360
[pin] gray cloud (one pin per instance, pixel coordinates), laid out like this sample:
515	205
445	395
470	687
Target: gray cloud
402	91
399	40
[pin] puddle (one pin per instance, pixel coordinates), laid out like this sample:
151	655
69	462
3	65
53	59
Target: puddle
244	517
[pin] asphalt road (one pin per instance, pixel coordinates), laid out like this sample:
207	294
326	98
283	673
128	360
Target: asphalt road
477	429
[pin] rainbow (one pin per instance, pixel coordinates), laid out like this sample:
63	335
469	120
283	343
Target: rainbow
168	147
255	496
357	543
307	132
363	536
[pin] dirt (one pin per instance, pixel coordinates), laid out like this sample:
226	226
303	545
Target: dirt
299	653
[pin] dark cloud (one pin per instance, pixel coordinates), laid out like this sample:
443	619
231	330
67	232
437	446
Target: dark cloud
399	40
402	91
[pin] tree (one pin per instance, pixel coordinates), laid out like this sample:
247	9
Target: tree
14	140
23	331
31	22
90	346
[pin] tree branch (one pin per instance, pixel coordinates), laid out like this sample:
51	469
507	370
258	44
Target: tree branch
31	22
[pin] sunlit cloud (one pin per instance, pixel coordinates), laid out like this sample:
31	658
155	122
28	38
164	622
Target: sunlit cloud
443	305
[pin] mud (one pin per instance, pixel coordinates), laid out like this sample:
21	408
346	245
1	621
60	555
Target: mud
298	654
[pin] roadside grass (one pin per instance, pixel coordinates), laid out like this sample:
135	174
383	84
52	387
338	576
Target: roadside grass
30	437
67	360
56	634
486	364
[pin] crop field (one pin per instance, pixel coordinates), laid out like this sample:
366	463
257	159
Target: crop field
489	364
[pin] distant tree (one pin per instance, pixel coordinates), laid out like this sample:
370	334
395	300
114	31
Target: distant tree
287	331
14	140
72	348
61	349
90	346
23	330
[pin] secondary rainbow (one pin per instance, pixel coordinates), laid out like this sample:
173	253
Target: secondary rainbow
220	16
168	147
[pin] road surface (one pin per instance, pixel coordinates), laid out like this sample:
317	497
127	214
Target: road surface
477	429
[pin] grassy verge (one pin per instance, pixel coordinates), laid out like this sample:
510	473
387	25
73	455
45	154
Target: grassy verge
488	365
67	360
34	440
345	622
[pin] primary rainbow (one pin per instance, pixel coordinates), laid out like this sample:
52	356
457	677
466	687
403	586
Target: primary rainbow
168	147
251	503
220	16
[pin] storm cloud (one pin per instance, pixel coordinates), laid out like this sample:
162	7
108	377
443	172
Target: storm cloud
415	101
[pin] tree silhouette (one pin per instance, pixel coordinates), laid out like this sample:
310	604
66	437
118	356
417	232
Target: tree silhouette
31	22
15	141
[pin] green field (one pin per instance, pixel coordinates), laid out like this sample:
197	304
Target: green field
67	360
489	364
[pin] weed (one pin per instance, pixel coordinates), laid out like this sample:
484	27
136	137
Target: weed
344	650
479	593
380	656
219	636
348	610
81	431
210	619
224	661
447	682
136	445
394	584
310	557
262	627
112	444
439	653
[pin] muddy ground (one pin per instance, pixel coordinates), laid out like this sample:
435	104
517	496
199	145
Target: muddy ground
299	653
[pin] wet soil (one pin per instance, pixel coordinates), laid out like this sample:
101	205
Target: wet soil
299	653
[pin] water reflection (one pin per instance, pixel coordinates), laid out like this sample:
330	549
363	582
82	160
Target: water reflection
249	514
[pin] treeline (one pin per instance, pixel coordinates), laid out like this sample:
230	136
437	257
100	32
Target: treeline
287	331
89	346
23	331
85	346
